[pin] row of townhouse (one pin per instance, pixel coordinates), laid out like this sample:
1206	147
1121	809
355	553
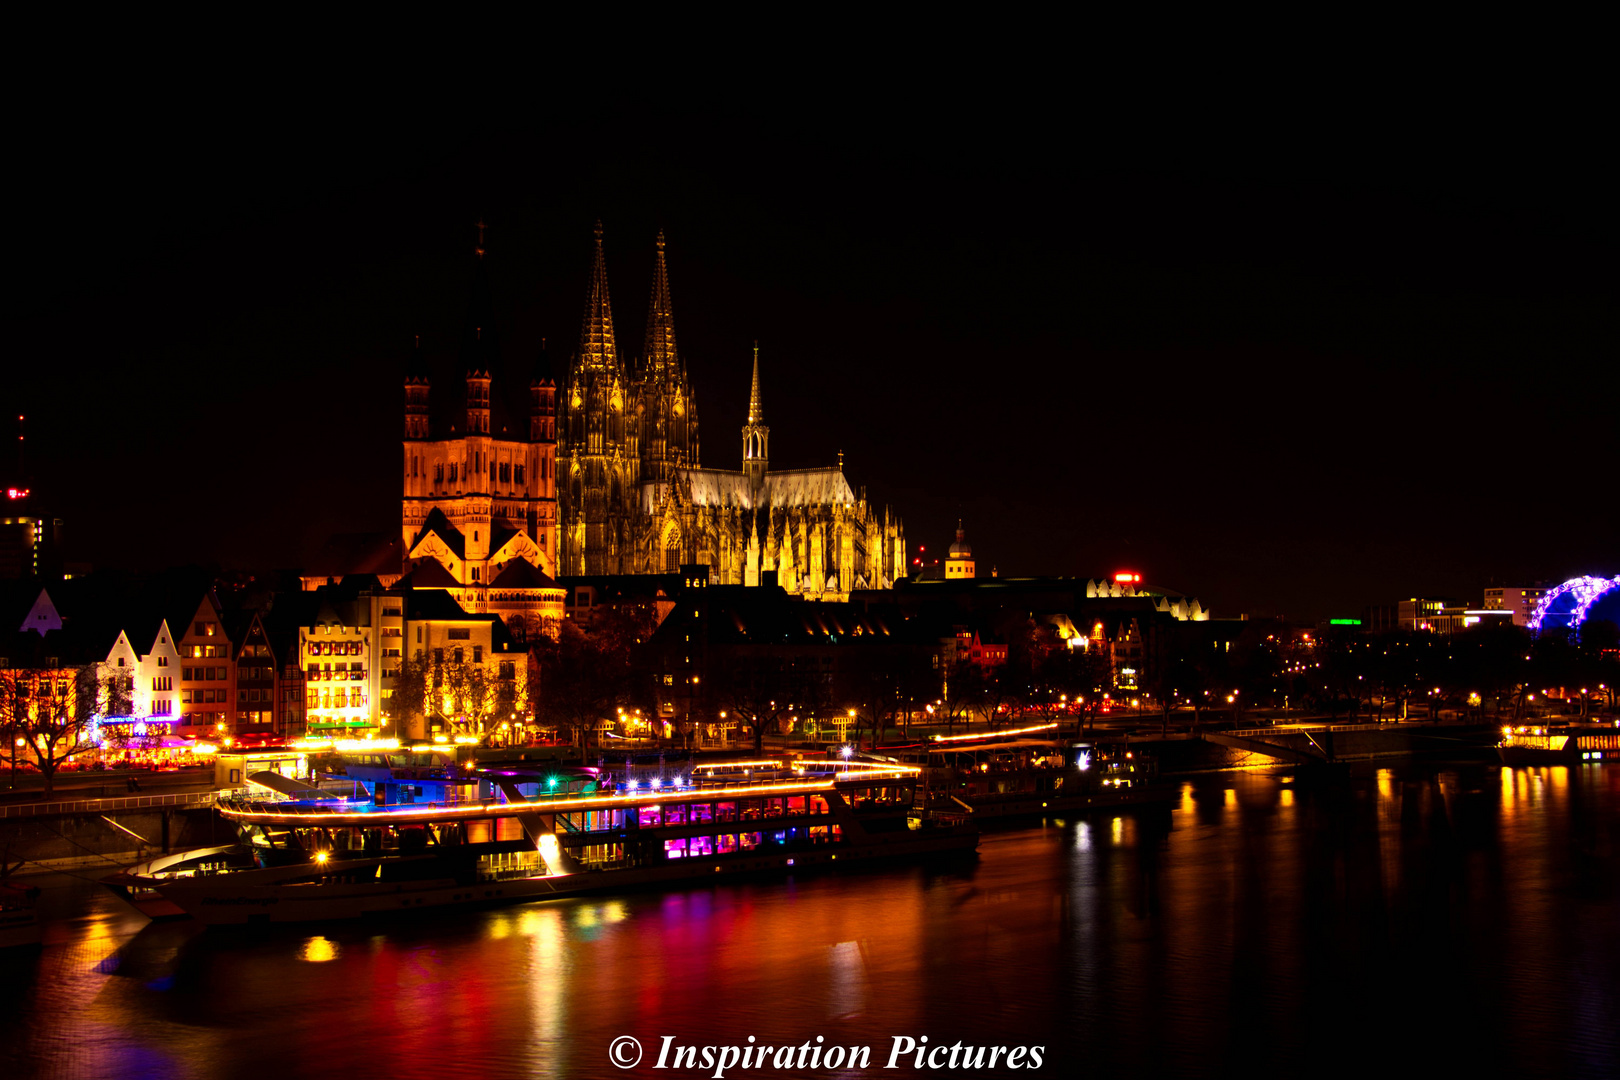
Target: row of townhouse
320	663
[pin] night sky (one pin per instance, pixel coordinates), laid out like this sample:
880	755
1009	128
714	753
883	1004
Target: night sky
1290	358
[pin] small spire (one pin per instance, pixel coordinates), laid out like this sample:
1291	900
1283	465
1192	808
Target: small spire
756	408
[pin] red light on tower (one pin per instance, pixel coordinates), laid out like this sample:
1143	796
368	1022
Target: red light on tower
1126	577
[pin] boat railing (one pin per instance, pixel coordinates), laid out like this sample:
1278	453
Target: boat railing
118	804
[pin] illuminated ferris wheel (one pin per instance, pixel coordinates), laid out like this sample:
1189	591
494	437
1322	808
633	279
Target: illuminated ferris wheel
1571	603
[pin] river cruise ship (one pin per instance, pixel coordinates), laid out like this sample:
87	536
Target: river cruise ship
415	831
1559	744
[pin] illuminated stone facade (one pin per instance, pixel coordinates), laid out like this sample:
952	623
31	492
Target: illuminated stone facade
634	498
480	506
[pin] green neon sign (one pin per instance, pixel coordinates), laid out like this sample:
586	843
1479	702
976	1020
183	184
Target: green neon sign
1344	622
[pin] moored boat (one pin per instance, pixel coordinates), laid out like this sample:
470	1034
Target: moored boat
431	834
1559	744
1029	772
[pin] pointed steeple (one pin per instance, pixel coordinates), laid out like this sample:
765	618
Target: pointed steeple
756	410
756	436
478	339
596	343
660	351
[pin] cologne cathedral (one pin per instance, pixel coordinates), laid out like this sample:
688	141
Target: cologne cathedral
608	480
634	498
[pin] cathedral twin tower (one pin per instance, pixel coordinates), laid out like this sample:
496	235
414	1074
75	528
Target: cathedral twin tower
609	480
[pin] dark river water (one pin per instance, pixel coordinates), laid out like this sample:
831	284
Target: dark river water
1417	921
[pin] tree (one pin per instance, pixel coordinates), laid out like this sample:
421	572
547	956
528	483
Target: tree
760	692
586	677
410	695
47	717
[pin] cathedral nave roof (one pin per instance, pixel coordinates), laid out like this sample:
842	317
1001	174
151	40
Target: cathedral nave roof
790	487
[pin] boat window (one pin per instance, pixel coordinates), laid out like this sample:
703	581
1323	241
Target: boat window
726	811
795	806
650	817
700	814
818	834
773	807
675	815
726	844
818	804
674	849
748	841
748	810
700	845
478	832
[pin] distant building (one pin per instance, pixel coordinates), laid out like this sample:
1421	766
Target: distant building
354	638
1520	600
30	539
959	560
1443	616
206	676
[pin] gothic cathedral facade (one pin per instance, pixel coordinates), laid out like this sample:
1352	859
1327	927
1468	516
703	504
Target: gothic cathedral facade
634	498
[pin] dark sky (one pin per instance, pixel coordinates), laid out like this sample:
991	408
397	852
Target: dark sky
1289	355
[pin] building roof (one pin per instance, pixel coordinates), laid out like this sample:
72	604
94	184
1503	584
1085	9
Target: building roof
432	604
788	487
428	574
440	526
521	574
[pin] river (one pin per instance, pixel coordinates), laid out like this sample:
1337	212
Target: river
1460	919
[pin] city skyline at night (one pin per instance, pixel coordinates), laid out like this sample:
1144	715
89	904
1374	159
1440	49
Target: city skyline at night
1287	390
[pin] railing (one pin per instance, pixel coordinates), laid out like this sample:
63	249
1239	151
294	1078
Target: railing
1301	729
116	805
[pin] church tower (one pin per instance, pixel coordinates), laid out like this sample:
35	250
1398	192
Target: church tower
596	463
416	400
478	513
543	457
479	353
667	422
756	436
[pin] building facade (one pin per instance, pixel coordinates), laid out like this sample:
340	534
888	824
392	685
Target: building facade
634	498
480	495
1520	600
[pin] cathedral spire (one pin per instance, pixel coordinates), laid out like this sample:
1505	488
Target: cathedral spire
660	351
756	410
596	344
756	436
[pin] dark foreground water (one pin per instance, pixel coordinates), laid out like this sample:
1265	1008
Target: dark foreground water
1437	921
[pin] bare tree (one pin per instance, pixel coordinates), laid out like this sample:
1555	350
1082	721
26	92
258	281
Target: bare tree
46	717
760	693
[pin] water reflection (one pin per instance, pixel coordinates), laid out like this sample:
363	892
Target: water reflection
1463	915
